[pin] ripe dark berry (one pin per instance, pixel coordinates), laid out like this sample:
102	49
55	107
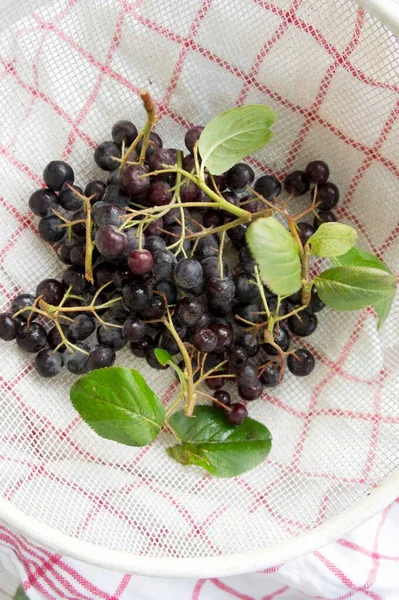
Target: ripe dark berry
192	136
268	186
103	273
189	191
131	183
69	200
249	343
104	153
100	357
168	289
156	308
324	216
124	131
136	295
110	242
220	290
42	201
76	362
317	171
315	303
281	338
327	196
215	383
9	327
238	234
75	277
210	267
224	336
57	173
188	273
212	218
133	329
247	374
222	397
32	338
51	229
251	391
95	187
246	260
251	204
305	231
153	243
271	375
246	290
114	195
303	324
301	363
247	312
159	194
207	246
20	302
296	183
54	337
164	263
108	335
51	290
237	414
188	311
237	356
104	214
140	261
141	347
239	176
204	339
48	363
161	157
81	327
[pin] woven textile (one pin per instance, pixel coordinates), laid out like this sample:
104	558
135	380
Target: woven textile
68	70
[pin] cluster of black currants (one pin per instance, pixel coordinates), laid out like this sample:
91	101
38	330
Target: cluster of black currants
145	267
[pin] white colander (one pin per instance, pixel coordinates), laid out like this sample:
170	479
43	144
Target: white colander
330	69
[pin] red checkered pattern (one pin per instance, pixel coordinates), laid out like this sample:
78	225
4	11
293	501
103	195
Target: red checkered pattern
362	565
330	71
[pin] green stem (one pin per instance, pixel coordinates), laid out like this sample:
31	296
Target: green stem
189	408
220	253
262	292
221	202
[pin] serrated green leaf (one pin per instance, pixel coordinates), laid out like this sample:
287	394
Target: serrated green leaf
383	308
361	258
276	254
332	239
210	442
352	288
234	134
118	405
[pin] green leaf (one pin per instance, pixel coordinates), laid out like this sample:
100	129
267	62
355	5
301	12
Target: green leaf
352	288
360	258
383	308
118	404
277	255
210	442
332	239
163	357
234	134
167	359
357	257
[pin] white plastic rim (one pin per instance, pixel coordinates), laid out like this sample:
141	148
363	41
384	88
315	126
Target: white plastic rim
387	11
234	564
